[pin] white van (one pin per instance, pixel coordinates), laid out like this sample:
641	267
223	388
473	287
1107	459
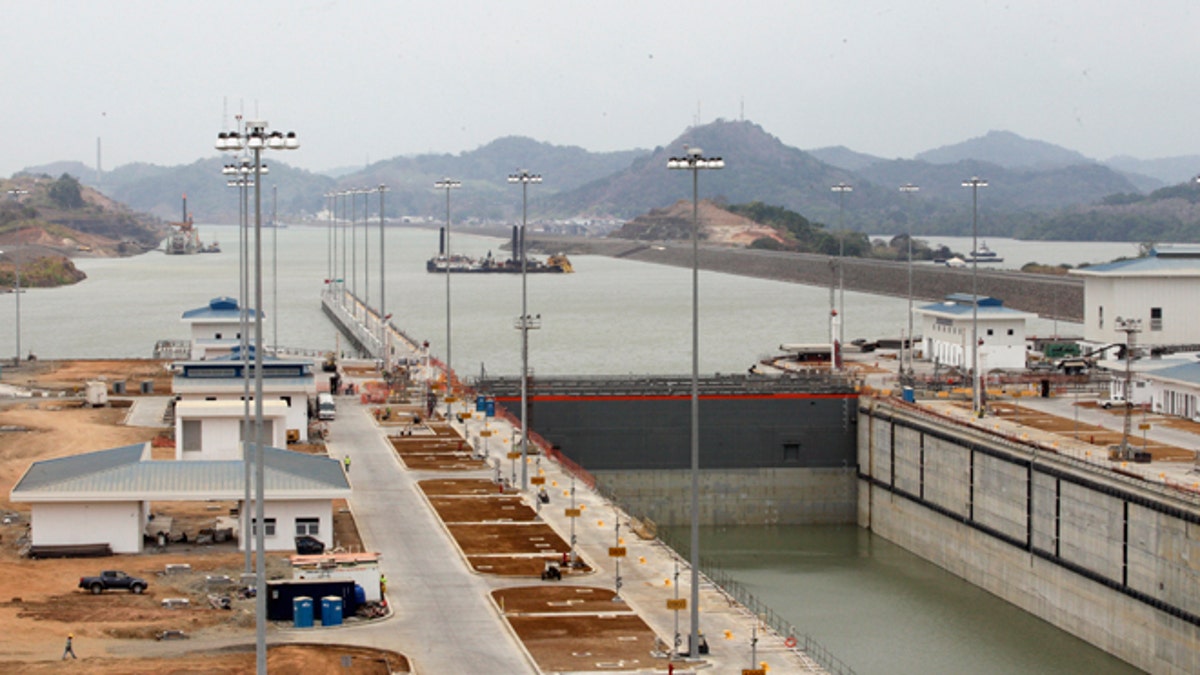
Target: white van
326	410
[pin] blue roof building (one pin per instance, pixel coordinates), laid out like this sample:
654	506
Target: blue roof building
946	329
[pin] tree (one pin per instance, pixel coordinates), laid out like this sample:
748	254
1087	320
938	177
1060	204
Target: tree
66	192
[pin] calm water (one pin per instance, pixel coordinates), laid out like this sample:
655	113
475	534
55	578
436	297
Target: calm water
880	609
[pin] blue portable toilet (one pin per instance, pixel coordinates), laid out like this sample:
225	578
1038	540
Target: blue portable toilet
302	612
480	403
490	408
909	395
360	594
331	610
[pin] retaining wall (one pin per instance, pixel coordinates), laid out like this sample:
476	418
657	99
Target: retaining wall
1111	560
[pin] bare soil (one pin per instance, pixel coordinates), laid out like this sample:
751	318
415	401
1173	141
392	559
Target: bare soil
298	659
475	539
597	634
1101	437
481	509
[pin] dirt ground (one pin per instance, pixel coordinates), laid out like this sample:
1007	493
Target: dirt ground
481	510
1101	437
39	599
576	628
299	659
73	376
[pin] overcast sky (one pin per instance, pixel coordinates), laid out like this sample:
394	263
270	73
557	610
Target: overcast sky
367	80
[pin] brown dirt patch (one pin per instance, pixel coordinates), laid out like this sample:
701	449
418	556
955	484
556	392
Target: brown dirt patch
285	659
73	376
481	509
477	539
1101	437
512	566
459	486
345	530
599	634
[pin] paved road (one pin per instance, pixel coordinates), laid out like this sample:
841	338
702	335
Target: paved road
444	621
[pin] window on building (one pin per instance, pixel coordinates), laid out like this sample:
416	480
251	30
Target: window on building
1011	331
268	529
308	526
217	336
991	331
191	436
1156	318
791	452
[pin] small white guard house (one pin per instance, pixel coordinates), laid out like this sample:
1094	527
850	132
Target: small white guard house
946	327
287	381
1159	289
104	497
216	328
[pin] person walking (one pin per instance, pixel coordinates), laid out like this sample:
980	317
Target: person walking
69	649
346	462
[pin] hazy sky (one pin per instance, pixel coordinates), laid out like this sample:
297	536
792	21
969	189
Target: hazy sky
367	80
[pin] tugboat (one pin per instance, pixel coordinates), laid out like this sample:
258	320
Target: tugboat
183	240
984	255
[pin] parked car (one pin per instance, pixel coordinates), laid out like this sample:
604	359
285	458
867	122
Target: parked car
307	544
112	579
1113	402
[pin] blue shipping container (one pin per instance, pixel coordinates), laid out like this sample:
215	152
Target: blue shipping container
302	612
331	610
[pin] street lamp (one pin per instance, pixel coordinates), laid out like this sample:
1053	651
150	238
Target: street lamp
525	322
841	189
910	190
384	342
975	183
255	137
449	184
694	161
15	194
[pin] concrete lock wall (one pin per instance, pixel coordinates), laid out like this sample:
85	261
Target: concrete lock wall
1111	560
767	496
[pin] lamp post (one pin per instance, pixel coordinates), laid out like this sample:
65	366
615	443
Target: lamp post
910	190
975	183
525	322
331	243
384	342
449	184
255	137
241	170
15	194
694	161
841	189
274	268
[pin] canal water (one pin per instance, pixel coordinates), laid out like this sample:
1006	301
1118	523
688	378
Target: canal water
878	608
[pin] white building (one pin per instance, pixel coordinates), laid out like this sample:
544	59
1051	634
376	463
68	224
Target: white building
105	497
208	430
216	328
1173	390
946	328
287	382
1159	290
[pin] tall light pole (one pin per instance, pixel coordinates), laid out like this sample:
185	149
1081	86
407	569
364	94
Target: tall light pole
910	190
525	322
331	243
256	137
449	184
342	276
241	172
274	268
384	341
841	189
975	183
694	161
366	247
16	195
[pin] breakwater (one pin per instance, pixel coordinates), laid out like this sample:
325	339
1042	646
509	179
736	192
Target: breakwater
1052	297
1102	556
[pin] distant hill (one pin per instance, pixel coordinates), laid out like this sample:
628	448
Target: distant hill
1166	171
1006	149
845	158
1030	183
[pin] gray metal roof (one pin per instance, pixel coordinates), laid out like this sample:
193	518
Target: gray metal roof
1188	373
125	473
1164	260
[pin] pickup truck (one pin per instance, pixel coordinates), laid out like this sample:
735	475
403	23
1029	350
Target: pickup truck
112	579
1113	402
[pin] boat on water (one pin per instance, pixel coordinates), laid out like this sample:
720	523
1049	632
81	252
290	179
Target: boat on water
984	255
441	263
184	239
555	264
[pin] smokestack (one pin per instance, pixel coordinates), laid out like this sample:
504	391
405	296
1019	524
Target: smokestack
516	245
441	241
184	208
